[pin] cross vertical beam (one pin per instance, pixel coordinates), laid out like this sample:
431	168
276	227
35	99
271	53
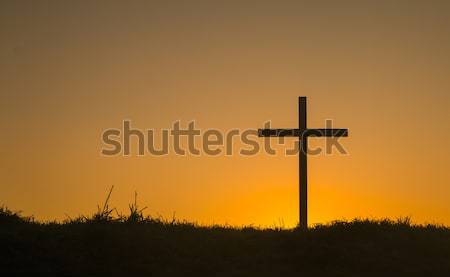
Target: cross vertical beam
303	163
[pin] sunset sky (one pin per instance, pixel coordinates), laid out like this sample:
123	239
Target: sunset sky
70	70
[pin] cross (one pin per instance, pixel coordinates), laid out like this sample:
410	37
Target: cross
303	133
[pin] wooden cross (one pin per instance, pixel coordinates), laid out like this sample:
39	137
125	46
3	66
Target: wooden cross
303	133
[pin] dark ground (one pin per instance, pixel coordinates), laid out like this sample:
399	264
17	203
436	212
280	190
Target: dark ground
137	246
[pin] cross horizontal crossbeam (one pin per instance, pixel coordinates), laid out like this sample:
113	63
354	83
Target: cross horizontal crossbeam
298	132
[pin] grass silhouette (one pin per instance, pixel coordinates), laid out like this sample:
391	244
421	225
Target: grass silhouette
138	245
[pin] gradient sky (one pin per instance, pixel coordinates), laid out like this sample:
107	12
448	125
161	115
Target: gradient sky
380	68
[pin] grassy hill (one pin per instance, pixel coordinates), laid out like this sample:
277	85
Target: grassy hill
133	245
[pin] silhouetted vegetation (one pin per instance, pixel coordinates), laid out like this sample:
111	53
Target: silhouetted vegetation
136	245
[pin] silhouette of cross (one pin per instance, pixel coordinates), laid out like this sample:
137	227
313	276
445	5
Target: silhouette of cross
303	133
